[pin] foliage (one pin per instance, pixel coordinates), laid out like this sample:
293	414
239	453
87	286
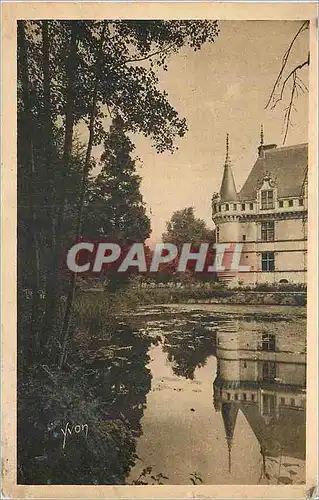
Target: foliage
194	292
184	227
96	388
115	208
147	476
189	349
179	295
274	287
73	75
195	478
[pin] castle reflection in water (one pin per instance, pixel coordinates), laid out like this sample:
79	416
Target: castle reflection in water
263	375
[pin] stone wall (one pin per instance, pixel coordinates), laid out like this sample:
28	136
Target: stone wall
256	298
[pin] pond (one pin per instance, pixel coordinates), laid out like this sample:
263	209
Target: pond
227	403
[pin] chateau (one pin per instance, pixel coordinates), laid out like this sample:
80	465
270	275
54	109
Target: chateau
268	216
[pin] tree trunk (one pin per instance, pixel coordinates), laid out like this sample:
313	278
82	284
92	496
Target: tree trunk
28	131
50	154
54	285
49	149
79	218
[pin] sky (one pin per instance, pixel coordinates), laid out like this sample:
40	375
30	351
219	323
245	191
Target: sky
223	88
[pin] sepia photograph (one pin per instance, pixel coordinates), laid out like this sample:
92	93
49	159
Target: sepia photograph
162	170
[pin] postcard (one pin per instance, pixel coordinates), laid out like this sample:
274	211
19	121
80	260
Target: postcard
159	236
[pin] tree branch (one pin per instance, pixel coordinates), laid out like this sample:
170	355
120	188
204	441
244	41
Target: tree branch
290	107
293	73
285	58
149	56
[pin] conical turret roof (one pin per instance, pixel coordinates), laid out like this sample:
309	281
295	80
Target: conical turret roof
229	413
228	190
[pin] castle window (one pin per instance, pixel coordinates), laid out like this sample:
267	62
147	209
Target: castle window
291	203
244	396
244	237
227	206
219	208
253	397
243	206
269	371
268	342
235	206
281	204
267	261
268	404
300	202
251	206
267	199
267	231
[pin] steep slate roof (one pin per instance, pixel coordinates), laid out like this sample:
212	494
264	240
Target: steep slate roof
228	188
229	413
286	165
285	435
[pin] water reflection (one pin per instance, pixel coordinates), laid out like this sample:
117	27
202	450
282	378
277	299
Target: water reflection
257	432
263	375
189	348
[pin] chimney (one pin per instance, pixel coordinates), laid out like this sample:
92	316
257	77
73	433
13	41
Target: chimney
265	147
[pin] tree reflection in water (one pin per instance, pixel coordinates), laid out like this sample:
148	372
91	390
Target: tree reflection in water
260	374
189	347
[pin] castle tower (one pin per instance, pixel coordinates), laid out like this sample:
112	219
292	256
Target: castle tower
228	346
225	209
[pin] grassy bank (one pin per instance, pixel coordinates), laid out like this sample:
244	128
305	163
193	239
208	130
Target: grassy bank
131	297
94	396
161	296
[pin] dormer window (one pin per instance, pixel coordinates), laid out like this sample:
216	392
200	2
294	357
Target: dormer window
243	206
227	206
267	199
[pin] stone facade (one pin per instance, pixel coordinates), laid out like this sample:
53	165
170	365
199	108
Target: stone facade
268	216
